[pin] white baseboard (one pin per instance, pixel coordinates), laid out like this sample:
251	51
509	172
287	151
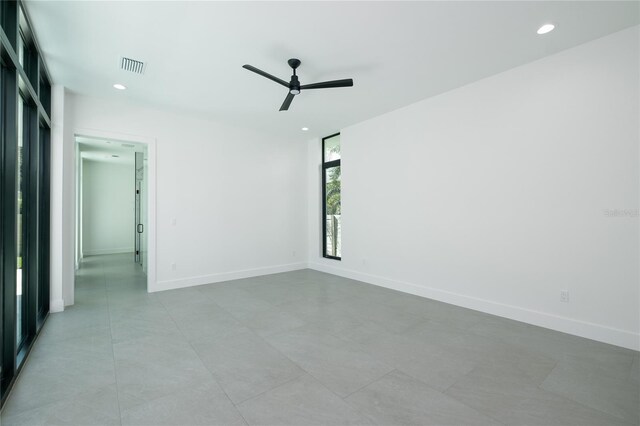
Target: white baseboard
585	329
56	305
224	276
98	252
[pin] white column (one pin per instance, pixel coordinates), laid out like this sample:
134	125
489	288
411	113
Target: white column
57	200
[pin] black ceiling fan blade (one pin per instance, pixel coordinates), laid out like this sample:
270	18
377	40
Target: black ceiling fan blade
287	102
266	74
347	82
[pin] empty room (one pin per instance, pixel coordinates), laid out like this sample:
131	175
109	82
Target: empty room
173	249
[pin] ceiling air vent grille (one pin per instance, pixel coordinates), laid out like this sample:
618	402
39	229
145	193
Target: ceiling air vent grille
132	65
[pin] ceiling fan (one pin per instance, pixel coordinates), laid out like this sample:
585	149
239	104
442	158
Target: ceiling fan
294	85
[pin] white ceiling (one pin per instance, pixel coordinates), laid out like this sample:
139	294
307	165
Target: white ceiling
396	52
108	151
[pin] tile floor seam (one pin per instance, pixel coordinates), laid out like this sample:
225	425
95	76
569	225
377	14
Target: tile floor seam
430	387
242	415
216	381
588	407
541	389
211	374
273	388
483	412
555	365
446	392
314	377
186	338
113	354
369	384
179	389
240	320
303	371
288	358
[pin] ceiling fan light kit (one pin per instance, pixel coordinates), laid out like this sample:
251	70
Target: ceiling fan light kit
294	86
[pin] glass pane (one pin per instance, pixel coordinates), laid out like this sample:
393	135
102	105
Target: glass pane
21	44
333	210
19	237
332	148
23	29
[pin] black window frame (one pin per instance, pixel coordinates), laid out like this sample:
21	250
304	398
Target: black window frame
326	165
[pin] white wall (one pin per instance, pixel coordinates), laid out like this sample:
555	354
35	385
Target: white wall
238	197
62	190
108	207
493	196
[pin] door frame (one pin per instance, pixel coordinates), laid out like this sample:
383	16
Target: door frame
151	196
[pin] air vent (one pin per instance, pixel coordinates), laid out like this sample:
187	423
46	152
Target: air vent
132	65
128	145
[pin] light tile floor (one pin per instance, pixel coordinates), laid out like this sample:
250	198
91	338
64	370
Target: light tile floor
305	348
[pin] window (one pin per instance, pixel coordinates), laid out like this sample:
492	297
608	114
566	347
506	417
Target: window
331	198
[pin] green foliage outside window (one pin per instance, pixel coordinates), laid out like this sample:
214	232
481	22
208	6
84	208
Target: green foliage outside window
333	191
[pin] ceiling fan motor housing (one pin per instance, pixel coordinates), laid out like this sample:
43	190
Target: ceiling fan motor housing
294	85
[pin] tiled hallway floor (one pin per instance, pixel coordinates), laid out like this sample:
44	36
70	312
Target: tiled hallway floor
305	348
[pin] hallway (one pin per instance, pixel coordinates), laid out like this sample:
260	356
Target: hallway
70	374
305	348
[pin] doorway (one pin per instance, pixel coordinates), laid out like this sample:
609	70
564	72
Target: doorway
112	181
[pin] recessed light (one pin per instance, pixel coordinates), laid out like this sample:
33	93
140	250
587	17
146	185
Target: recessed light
304	129
546	28
119	86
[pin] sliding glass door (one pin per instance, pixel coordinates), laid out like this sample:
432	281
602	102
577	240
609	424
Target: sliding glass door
20	216
25	92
